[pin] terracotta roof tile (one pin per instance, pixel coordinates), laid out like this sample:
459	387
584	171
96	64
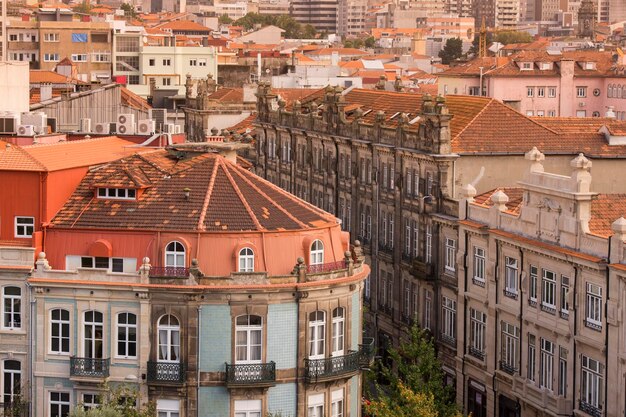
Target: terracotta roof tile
515	195
605	209
184	25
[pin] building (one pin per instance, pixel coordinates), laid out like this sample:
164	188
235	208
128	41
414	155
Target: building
540	267
351	18
220	319
321	14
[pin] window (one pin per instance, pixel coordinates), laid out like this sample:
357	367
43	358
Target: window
167	62
541	91
168	330
581	92
166	81
59	404
59	331
51	57
564	296
428	250
13	37
414	300
24	226
562	371
101	57
336	403
175	255
474	91
546	364
527	66
338	330
391	240
93	332
169	408
415	238
427	308
317	331
151	62
551	92
79	57
592	390
315	405
100	38
50	37
478	320
479	264
448	325
406	300
127	63
11	382
450	255
540	113
127	43
247	408
510	277
248	339
510	347
126	335
246	260
317	253
594	306
97	262
530	91
532	286
202	62
407	237
383	229
79	37
117	193
193	62
551	113
532	364
11	308
548	294
90	401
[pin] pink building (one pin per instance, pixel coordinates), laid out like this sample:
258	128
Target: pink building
569	84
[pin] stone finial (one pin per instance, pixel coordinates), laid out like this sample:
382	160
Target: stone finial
619	227
427	104
299	269
468	192
535	157
357	252
581	162
499	200
194	269
380	117
581	175
281	103
214	131
42	262
380	85
358	113
297	106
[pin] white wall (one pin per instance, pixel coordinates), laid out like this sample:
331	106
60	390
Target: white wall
14	83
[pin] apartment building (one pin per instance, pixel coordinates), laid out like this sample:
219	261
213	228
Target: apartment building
321	14
540	266
507	13
351	18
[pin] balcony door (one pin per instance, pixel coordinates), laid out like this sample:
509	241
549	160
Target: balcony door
317	333
93	331
249	330
169	339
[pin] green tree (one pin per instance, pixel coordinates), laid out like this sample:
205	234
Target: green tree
452	50
293	29
511	36
118	402
417	381
225	19
369	42
129	10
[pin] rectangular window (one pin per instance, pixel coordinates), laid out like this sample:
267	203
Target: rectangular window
581	92
24	226
117	193
562	371
127	63
51	57
383	230
510	277
193	62
478	321
532	357
450	255
415	238
541	91
551	113
448	325
532	285
551	92
548	293
479	265
59	404
428	249
126	335
510	348
100	37
50	37
101	57
546	364
530	91
414	300
79	57
336	403
167	81
408	188
127	43
11	307
427	308
540	113
315	405
564	296
90	401
407	237
391	240
151	62
202	62
592	383
406	299
167	62
594	306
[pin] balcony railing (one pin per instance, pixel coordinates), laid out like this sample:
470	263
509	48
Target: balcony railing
367	350
166	372
331	266
589	409
508	368
168	272
478	354
251	374
333	367
89	367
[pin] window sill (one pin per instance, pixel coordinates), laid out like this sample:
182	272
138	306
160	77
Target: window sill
478	282
532	303
593	326
548	309
19	331
510	294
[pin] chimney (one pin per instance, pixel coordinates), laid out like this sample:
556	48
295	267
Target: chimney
205	41
45	91
334	59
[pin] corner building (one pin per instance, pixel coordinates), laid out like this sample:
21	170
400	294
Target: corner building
247	300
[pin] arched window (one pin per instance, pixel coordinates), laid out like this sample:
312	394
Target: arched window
609	91
11	308
619	91
338	331
11	379
624	92
246	260
317	333
169	339
93	327
317	253
248	339
126	335
59	331
175	255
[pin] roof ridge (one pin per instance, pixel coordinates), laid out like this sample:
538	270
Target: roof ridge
207	197
240	195
20	149
528	118
468	124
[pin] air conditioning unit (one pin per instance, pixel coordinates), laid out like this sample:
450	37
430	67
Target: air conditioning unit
26	130
85	125
125	124
146	127
168	128
103	128
9	123
36	120
159	116
178	129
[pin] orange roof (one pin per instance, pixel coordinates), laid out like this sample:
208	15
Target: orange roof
42	76
515	195
184	25
605	209
340	51
133	100
64	155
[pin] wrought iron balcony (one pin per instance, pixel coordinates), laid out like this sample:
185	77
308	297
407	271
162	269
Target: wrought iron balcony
422	270
168	272
367	350
166	372
590	409
251	375
478	354
508	368
450	341
317	370
89	367
407	257
331	266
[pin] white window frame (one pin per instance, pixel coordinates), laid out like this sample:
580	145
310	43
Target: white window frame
248	408
51	37
428	246
315	405
178	257
60	402
510	345
95	328
125	330
249	331
532	283
564	296
80	57
592	382
90	400
246	260
562	371
14	377
338	331
593	304
548	289
427	309
24	224
11	308
117	193
167	408
479	264
60	322
167	62
316	253
478	323
317	334
415	242
450	260
530	91
170	340
581	91
551	92
336	403
448	324
532	358
511	267
546	364
541	92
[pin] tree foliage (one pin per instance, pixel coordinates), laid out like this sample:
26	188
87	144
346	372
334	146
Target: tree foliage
129	10
452	50
416	388
118	402
225	19
512	36
293	29
369	42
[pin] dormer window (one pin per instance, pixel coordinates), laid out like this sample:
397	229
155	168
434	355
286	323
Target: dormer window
545	66
117	193
589	66
526	66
